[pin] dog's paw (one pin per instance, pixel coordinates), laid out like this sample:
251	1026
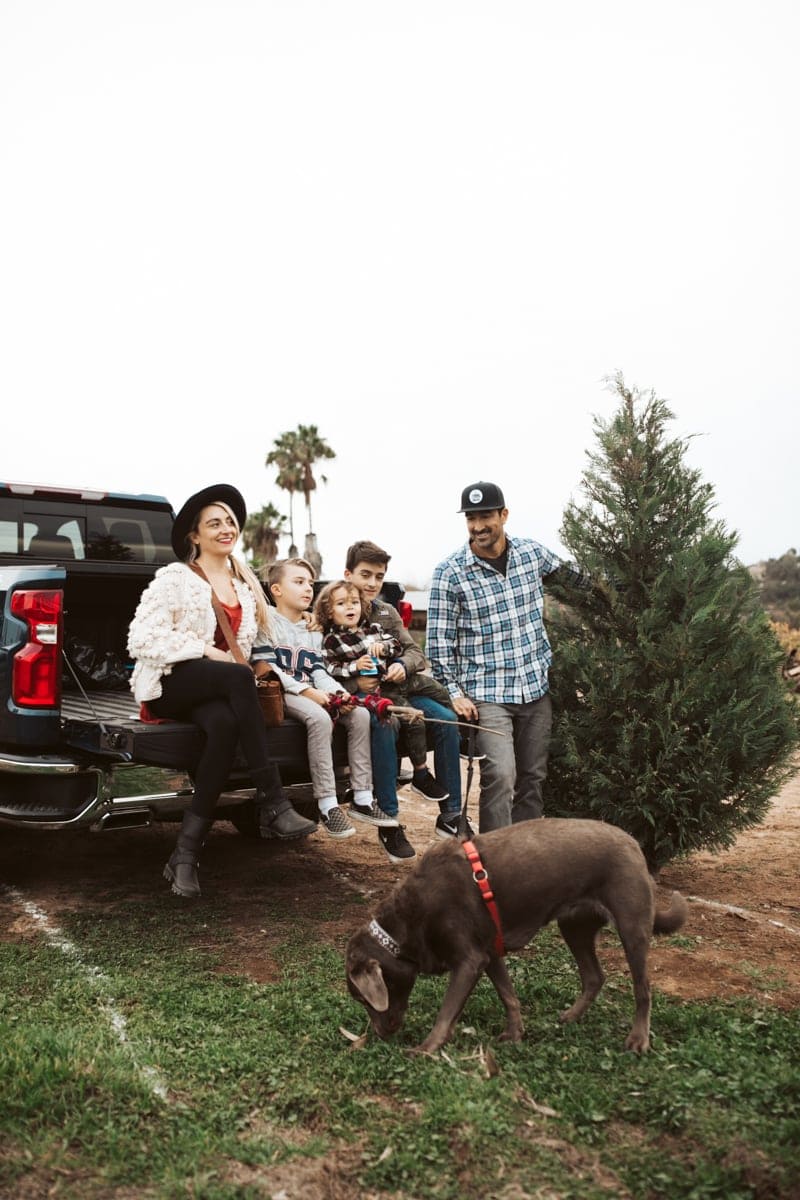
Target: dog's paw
637	1043
511	1035
421	1052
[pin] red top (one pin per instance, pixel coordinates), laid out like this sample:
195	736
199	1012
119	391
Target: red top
234	614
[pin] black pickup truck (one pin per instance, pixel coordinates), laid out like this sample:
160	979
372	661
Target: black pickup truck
73	753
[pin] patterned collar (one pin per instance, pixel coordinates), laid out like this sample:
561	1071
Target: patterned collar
383	938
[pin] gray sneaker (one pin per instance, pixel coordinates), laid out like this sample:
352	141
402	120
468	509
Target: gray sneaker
336	824
372	814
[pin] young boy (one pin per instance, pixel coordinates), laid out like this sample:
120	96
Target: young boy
365	566
295	654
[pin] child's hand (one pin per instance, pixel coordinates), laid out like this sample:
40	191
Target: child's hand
377	649
365	663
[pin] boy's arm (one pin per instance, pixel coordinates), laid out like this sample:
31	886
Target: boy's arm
409	654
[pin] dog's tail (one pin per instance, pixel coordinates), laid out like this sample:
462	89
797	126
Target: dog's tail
668	920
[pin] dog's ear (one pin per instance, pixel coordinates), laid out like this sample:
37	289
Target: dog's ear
370	983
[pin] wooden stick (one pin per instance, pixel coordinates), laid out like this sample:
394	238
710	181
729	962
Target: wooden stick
404	711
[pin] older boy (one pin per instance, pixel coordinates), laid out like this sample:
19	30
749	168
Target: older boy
294	653
365	566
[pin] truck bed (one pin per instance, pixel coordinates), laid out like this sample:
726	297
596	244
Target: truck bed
107	723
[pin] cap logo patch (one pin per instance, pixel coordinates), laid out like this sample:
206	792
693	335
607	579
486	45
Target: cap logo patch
475	496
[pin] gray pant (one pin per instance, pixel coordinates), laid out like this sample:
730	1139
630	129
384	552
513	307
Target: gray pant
319	730
515	765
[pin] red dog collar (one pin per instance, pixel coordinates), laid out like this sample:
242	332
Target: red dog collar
482	879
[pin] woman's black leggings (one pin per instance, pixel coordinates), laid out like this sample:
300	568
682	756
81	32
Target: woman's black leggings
221	698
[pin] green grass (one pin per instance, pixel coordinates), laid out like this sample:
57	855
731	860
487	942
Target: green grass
261	1080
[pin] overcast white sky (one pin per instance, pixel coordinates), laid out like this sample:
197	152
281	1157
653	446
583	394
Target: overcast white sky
429	228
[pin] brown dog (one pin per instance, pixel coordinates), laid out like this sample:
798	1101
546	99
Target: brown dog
579	873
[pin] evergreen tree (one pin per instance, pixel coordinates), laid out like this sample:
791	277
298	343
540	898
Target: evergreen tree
670	718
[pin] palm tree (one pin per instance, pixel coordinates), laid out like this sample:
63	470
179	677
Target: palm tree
289	477
260	536
310	448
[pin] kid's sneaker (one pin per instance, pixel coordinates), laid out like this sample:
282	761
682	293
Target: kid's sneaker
336	824
447	825
430	788
373	814
396	844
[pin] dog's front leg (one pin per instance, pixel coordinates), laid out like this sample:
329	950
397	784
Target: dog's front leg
498	973
462	980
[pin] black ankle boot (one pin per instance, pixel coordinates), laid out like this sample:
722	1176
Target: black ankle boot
181	870
276	817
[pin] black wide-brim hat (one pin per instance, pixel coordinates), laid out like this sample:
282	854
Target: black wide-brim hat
222	492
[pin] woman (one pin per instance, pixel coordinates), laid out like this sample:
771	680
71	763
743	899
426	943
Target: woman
185	671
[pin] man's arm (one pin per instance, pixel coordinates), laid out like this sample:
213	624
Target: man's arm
441	634
440	641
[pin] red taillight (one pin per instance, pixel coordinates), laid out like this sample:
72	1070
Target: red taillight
406	612
36	677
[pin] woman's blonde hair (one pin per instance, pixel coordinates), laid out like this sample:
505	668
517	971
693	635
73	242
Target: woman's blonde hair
323	607
240	569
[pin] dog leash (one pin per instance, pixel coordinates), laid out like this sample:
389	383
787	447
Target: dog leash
463	825
481	877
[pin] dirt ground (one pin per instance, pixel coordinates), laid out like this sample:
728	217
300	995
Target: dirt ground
742	938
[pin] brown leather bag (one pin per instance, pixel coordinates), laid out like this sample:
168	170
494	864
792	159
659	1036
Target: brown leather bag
268	690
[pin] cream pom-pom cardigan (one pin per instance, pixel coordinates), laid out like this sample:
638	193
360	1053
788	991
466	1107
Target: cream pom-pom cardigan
174	621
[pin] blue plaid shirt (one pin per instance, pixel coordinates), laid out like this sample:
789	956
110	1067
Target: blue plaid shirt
485	636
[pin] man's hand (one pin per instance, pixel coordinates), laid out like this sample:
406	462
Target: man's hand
396	673
465	708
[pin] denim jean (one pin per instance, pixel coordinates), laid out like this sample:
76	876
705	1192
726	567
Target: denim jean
515	765
446	745
383	745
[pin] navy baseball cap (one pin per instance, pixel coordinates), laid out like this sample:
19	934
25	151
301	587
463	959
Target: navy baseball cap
482	497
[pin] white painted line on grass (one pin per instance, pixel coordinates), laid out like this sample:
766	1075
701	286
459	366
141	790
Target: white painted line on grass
745	913
94	975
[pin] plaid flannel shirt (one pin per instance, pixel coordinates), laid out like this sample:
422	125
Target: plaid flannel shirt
485	635
343	647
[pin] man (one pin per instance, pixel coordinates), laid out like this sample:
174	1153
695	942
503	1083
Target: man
365	566
487	644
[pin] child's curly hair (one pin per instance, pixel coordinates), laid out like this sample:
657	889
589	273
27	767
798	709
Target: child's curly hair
323	605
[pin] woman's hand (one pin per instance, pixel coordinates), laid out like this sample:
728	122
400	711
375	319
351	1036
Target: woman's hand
316	695
216	655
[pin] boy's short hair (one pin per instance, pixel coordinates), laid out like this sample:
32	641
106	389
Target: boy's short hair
367	552
279	569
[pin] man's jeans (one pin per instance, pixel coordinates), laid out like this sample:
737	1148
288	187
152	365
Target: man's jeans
446	744
515	765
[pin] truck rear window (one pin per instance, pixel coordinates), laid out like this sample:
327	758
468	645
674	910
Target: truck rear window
83	532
